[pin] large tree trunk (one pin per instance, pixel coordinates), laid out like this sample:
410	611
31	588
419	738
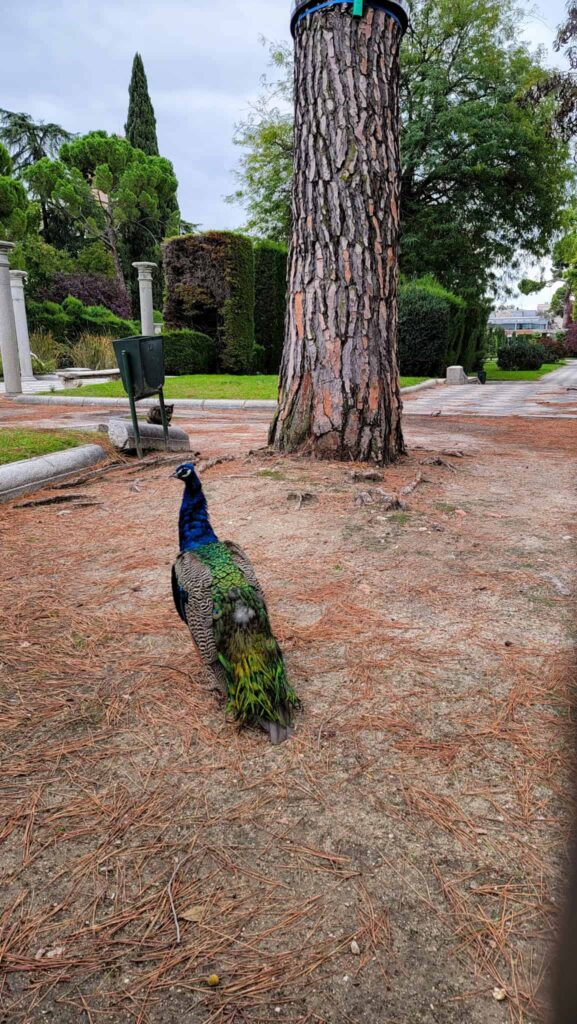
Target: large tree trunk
112	239
568	309
339	387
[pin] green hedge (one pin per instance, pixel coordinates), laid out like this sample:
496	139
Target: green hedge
210	289
270	301
66	321
431	328
521	353
476	342
188	352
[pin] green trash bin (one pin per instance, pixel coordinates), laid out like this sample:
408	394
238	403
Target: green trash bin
146	356
141	364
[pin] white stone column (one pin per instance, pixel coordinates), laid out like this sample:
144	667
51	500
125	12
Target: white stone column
146	303
18	279
8	336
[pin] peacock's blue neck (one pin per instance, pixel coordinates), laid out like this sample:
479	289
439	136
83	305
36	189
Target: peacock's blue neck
194	527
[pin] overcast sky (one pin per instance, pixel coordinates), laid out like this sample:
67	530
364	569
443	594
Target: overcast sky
70	62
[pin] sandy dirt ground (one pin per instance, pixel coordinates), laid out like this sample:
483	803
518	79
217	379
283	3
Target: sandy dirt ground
399	860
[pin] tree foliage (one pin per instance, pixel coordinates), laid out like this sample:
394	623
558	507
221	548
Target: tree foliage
483	175
483	178
106	188
140	127
561	85
266	167
17	215
29	141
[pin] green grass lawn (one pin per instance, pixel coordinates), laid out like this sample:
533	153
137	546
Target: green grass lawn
217	385
408	382
16	444
494	373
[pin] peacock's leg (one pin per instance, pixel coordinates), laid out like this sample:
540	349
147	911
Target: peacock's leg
219	676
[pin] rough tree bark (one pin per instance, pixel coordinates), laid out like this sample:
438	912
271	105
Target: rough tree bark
339	389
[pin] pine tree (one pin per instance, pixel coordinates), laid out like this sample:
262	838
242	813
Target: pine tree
141	125
339	380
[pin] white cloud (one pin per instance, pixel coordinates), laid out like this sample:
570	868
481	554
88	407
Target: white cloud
70	62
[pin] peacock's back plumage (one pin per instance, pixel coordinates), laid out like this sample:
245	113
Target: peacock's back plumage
217	593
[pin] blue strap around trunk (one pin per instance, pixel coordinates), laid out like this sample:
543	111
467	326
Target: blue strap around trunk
338	3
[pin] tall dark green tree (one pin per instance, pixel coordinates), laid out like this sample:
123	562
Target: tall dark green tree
140	131
140	127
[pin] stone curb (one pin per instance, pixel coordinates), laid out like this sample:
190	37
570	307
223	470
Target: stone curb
424	386
31	474
179	403
147	403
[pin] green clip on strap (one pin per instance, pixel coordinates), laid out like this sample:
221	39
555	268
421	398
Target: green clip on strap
358	8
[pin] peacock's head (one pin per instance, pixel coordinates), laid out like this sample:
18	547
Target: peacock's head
187	473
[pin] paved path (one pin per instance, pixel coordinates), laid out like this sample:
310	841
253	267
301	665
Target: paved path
548	397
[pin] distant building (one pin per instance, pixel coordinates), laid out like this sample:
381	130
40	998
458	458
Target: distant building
521	321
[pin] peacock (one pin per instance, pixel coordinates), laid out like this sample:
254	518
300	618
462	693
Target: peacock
217	595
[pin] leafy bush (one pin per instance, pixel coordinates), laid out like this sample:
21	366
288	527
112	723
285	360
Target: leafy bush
41	262
554	348
188	352
431	328
210	285
270	303
521	354
571	340
70	319
93	352
46	352
92	290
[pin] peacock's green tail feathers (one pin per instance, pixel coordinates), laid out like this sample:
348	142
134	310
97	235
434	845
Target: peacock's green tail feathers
258	687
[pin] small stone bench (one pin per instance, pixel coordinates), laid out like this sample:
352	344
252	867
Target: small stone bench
457	375
121	434
87	375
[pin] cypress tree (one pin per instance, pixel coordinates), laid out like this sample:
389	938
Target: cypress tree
141	124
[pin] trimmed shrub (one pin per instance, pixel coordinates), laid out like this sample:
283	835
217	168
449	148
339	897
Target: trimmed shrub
270	303
94	352
210	289
476	343
47	317
91	290
188	352
431	328
521	354
68	321
259	360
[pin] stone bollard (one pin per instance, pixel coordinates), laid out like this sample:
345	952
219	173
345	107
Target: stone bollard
8	336
146	303
456	375
17	281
